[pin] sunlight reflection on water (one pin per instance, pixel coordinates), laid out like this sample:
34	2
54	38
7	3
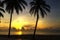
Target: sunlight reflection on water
19	33
28	32
21	39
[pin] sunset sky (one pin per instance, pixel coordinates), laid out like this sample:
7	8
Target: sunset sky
24	18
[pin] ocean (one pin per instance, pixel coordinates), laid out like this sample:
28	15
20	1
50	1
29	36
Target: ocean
27	35
28	32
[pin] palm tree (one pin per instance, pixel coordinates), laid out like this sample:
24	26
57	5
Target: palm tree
39	7
14	4
1	15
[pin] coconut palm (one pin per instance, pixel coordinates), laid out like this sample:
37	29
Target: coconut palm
12	5
38	7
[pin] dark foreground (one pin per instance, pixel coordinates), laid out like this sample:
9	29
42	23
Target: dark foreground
29	37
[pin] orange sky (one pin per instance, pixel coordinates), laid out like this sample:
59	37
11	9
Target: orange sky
25	18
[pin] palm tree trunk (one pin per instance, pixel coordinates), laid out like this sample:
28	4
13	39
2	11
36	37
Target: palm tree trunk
10	25
0	19
35	28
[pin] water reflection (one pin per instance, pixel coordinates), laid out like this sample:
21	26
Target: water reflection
19	33
16	33
18	39
23	39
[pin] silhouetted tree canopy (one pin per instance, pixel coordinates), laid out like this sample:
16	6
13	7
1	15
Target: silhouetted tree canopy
14	4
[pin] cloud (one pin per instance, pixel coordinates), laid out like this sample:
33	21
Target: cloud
28	27
51	29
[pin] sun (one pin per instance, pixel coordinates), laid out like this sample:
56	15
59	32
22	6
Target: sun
18	23
20	28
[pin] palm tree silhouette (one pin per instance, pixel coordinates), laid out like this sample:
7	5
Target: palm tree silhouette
14	4
1	10
38	7
1	15
1	4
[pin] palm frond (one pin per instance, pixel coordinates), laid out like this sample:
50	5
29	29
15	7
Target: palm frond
22	5
41	12
32	10
23	1
1	15
32	3
2	10
1	5
47	9
47	6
